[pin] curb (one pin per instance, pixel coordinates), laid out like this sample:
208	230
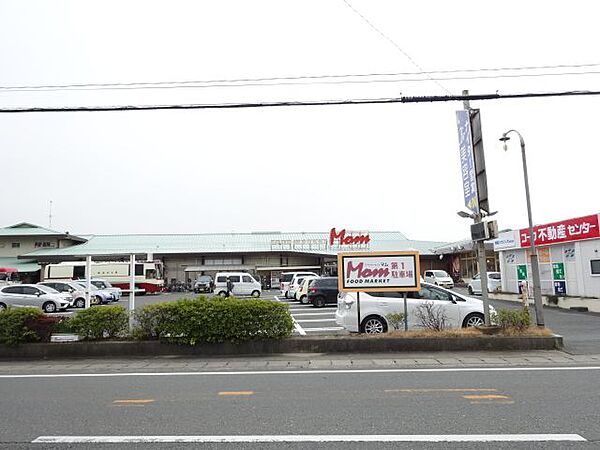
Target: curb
316	344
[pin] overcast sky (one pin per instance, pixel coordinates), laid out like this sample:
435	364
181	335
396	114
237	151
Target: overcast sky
371	167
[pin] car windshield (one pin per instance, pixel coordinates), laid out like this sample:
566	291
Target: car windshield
98	284
440	273
287	277
47	289
494	276
203	278
92	287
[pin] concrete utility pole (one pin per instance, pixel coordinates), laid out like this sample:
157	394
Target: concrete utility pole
480	245
535	269
131	290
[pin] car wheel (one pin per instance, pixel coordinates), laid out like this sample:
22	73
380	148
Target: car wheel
319	302
473	320
374	325
49	307
304	299
79	303
286	295
2	306
98	300
470	290
222	294
255	294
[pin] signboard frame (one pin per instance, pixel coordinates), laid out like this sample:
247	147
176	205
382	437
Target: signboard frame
414	255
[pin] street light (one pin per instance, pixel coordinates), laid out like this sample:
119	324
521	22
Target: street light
537	291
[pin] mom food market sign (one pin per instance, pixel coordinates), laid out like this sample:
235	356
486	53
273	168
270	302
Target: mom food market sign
379	271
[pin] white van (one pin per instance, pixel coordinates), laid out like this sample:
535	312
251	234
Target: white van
288	277
243	284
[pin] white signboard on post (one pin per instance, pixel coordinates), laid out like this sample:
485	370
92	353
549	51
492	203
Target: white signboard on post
379	271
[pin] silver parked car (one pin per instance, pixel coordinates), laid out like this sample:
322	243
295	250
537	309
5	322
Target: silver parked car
22	295
97	296
75	290
106	286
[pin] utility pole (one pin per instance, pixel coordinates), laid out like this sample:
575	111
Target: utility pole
480	246
50	216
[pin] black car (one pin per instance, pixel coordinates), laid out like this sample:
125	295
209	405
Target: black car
204	283
323	291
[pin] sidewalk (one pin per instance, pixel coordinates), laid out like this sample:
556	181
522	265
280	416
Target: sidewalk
303	361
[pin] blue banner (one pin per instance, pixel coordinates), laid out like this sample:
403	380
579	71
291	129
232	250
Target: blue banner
467	162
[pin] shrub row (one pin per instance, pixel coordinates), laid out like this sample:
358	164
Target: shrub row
185	321
214	320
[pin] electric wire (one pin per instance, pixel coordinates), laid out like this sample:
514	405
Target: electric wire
419	99
265	80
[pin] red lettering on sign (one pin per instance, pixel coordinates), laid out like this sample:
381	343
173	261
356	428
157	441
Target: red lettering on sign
366	273
587	227
347	240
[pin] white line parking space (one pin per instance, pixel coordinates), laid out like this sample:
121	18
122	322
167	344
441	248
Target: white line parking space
314	438
311	320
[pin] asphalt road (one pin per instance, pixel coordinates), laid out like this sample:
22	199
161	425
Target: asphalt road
500	402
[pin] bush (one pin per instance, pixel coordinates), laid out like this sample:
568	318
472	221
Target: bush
214	320
99	323
396	320
13	325
518	319
43	326
432	317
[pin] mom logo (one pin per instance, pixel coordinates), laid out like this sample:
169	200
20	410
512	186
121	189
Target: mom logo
343	239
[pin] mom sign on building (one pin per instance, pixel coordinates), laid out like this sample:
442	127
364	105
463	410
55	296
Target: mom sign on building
379	271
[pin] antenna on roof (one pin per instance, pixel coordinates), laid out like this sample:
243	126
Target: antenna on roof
50	216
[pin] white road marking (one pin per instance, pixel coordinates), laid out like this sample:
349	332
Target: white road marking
314	438
313	314
297	326
324	329
315	320
304	372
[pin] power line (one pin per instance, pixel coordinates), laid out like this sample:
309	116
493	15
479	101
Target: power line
265	80
421	99
327	82
391	41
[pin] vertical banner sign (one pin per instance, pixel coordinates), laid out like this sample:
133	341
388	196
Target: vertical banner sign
521	272
467	162
558	271
560	287
379	272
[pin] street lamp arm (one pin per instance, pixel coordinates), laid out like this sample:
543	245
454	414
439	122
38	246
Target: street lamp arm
505	137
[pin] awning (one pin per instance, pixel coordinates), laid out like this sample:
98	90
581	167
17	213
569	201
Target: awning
218	268
287	268
21	265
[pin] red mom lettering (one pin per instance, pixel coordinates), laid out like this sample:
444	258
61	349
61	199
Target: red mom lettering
347	240
361	272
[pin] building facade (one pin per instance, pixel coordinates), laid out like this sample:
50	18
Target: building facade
568	255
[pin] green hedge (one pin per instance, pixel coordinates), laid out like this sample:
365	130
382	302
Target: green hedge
14	322
100	322
518	319
203	320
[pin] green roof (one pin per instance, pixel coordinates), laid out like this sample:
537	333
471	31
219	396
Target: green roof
314	243
20	264
28	229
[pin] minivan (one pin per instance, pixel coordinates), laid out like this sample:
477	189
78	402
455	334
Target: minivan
243	284
439	278
288	277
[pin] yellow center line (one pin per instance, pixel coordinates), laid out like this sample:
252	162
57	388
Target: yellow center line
425	391
486	397
236	393
499	402
134	401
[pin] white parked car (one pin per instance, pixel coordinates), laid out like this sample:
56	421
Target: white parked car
288	277
295	286
494	283
439	278
33	295
74	290
460	310
243	284
302	292
107	287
